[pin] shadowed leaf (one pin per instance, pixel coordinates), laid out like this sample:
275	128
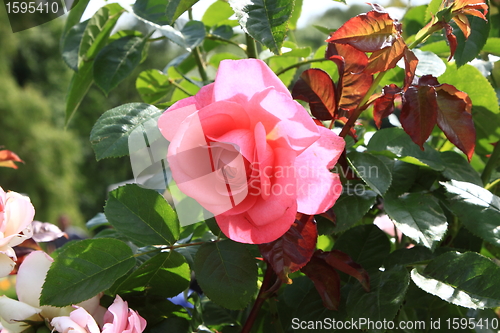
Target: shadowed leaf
326	280
316	88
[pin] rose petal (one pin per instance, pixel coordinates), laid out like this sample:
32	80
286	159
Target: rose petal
31	276
12	311
19	213
6	265
66	325
117	316
84	319
317	187
240	80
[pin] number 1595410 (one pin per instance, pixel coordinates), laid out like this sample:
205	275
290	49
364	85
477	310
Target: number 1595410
32	7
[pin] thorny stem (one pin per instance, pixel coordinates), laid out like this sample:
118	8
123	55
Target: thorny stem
493	161
269	276
251	47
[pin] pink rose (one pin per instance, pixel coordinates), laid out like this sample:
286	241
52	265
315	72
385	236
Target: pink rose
118	319
16	215
250	154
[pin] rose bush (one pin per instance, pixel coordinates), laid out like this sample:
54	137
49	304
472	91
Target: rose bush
117	319
250	154
16	215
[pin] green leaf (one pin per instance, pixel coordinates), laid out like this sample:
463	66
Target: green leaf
162	12
372	170
85	268
227	273
117	60
477	208
110	135
74	16
78	87
465	279
71	45
485	113
404	176
351	207
395	143
432	9
142	215
265	20
367	245
468	49
297	10
388	290
191	35
216	13
492	46
457	167
97	221
426	226
414	20
153	86
165	275
405	257
97	31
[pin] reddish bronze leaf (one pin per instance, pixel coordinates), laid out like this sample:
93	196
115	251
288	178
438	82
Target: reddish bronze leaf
316	88
411	62
368	32
384	105
326	280
387	58
294	249
455	119
452	40
419	113
357	59
7	159
341	261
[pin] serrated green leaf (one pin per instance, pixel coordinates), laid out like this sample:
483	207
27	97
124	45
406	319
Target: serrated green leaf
372	170
152	10
165	275
388	291
191	35
477	208
404	257
85	268
142	215
367	245
78	87
297	10
485	113
217	12
465	279
153	86
176	8
457	167
265	20
97	31
110	135
399	145
426	226
71	45
227	273
351	207
403	177
468	49
117	60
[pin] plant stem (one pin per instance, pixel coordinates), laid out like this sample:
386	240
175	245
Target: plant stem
178	86
251	47
493	161
201	65
269	276
362	105
300	63
224	40
492	184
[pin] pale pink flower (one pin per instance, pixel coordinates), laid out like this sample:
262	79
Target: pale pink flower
250	154
30	279
118	319
16	215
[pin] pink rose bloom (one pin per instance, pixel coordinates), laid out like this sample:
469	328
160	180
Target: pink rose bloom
118	319
250	154
16	215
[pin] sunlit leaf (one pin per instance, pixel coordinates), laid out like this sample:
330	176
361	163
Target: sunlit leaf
293	250
316	88
265	20
368	32
469	47
386	58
